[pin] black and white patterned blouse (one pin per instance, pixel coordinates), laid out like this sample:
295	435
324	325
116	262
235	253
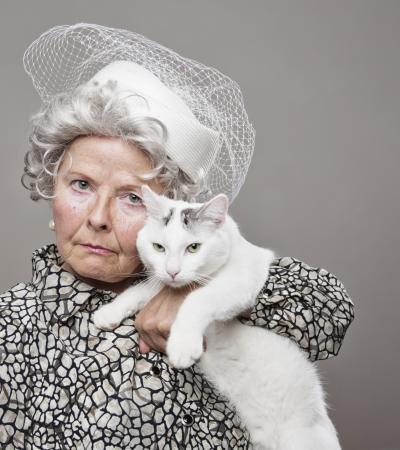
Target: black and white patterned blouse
66	385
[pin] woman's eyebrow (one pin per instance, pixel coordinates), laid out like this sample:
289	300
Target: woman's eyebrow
125	186
131	186
75	173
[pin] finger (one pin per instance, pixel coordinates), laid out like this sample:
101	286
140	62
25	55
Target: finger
143	347
155	342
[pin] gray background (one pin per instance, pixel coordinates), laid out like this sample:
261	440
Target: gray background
321	85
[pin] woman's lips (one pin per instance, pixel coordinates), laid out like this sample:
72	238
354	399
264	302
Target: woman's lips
97	249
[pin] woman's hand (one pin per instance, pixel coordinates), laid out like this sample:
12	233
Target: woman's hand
154	321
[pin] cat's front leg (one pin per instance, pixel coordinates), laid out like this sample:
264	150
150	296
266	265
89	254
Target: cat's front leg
223	298
185	342
184	345
126	304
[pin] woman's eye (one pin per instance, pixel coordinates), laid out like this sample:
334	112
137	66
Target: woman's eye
158	247
193	248
80	184
133	198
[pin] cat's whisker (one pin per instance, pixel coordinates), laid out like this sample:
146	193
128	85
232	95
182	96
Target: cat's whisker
192	286
200	282
153	280
202	279
130	275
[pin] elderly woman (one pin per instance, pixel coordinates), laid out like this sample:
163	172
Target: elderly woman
103	132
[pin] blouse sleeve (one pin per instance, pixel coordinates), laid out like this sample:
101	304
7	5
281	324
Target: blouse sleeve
14	367
307	304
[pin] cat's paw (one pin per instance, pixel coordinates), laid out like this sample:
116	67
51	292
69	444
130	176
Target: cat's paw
184	349
107	318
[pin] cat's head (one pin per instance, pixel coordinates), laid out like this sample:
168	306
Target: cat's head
183	242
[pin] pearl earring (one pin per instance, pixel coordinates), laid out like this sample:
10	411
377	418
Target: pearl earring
52	225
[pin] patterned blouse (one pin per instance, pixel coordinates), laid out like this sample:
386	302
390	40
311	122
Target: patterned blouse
66	385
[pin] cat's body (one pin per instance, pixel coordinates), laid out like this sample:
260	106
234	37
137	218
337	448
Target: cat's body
274	388
268	379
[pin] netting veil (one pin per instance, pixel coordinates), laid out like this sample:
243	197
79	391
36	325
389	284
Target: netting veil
67	56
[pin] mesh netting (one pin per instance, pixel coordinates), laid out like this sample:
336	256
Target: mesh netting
66	56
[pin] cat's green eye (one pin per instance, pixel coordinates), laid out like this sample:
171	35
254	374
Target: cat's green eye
193	248
158	247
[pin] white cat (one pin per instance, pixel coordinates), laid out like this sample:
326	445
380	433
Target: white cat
274	388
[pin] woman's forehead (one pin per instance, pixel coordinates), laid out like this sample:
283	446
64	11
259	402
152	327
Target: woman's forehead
105	154
107	160
100	150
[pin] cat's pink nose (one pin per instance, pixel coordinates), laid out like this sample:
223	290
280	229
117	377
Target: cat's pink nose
173	274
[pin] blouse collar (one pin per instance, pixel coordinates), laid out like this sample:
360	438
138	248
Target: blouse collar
62	293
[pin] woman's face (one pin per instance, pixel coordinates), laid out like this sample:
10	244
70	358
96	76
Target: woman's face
97	210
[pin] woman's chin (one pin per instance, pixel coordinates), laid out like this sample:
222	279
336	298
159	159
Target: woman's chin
92	268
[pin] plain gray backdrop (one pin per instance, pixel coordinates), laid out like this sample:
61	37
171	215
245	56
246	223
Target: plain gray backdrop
321	85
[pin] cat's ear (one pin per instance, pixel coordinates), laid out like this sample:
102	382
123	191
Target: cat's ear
215	210
153	203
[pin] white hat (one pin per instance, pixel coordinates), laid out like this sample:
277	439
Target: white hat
210	135
190	144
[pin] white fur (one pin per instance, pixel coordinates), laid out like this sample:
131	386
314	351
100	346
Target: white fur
267	378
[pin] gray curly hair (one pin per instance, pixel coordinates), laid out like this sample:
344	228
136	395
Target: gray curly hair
100	112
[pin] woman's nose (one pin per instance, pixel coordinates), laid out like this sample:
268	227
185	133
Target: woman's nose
99	216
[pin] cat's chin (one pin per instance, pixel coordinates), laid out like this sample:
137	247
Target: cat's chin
176	283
